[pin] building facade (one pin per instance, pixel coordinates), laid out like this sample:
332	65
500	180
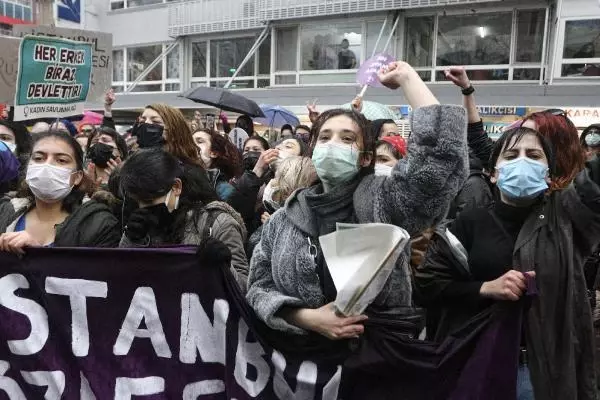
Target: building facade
518	53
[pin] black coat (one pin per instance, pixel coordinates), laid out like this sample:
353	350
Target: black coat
89	225
554	242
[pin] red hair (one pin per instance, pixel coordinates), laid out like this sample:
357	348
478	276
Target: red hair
563	136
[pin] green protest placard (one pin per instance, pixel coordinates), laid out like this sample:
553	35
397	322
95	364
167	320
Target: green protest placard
53	78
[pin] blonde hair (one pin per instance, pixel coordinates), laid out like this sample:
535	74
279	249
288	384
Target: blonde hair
179	135
293	173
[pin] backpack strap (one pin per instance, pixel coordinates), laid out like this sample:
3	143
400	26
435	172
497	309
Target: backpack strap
211	217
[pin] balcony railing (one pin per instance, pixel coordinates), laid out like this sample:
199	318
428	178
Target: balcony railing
273	10
206	16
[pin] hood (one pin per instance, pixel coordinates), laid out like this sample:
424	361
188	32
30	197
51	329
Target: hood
226	208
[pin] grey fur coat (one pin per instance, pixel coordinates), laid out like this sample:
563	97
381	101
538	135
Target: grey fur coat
414	197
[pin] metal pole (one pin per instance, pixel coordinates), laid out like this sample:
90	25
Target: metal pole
380	35
261	38
387	44
153	64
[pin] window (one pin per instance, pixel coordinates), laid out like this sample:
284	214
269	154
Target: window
287	47
118	66
215	61
581	51
199	59
419	42
129	63
530	35
474	39
120	4
483	43
334	47
138	58
226	56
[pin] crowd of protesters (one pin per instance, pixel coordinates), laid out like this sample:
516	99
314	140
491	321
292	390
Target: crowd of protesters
486	218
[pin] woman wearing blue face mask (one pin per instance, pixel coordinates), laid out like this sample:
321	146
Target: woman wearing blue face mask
49	210
177	206
289	284
529	232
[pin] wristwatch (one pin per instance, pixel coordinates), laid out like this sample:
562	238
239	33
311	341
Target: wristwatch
468	91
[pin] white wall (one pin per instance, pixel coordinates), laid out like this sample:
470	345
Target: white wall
136	26
580	8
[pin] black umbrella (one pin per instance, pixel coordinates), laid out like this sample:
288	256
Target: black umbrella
224	100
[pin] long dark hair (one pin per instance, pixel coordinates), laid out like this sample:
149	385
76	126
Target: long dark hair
263	142
229	159
368	141
246	123
75	198
517	135
150	174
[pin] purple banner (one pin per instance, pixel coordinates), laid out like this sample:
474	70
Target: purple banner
118	324
367	73
158	324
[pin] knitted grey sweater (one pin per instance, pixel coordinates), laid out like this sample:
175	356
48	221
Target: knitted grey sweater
414	197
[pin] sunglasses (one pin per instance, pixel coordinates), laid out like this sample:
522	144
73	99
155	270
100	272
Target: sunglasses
557	112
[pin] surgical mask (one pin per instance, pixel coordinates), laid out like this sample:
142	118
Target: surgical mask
149	135
48	182
335	163
383	170
268	202
593	139
522	179
11	146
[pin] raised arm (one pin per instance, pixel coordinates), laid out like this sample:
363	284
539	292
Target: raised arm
423	184
479	141
109	100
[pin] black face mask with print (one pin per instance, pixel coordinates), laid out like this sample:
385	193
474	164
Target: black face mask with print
100	154
149	135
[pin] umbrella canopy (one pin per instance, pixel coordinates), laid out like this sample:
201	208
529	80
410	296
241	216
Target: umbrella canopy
277	116
373	110
223	99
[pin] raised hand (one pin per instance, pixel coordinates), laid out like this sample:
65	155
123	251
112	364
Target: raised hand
458	76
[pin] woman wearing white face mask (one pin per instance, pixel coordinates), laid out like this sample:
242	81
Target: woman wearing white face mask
389	150
177	205
289	284
49	211
530	231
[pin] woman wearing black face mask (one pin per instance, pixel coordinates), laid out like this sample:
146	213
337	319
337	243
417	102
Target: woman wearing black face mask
257	157
106	151
177	206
